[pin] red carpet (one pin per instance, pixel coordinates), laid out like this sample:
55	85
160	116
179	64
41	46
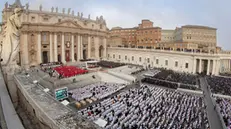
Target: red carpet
69	71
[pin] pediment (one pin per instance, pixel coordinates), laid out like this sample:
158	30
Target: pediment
68	23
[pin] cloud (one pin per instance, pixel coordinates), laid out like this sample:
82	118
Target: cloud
164	13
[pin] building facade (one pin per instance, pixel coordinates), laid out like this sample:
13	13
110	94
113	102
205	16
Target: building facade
48	36
203	36
145	35
167	36
189	62
115	41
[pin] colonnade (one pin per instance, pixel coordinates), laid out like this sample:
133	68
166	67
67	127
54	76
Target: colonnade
210	66
53	47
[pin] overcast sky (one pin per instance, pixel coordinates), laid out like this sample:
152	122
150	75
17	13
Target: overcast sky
164	13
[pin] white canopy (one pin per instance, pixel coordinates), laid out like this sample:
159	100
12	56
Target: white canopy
101	122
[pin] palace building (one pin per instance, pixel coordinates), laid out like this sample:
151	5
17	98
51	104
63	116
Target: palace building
188	37
58	35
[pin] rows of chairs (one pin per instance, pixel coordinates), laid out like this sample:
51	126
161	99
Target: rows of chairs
219	85
150	107
110	64
225	106
170	75
97	90
69	71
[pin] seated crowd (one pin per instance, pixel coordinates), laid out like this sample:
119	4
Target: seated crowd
220	85
98	90
150	107
168	84
170	75
225	106
110	64
69	71
226	74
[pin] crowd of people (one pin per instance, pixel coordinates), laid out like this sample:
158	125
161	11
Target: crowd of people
219	85
226	74
110	64
159	82
97	90
69	71
225	106
170	75
150	107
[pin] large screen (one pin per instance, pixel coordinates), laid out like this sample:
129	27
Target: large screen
61	93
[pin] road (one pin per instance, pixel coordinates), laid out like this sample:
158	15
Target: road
213	117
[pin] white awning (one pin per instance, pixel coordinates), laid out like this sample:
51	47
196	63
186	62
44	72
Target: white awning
101	122
65	102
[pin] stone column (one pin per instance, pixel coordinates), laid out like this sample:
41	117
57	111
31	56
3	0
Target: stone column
208	67
229	64
194	65
39	52
78	48
214	70
51	46
200	65
25	51
89	47
218	67
55	48
63	51
81	47
97	47
105	48
72	49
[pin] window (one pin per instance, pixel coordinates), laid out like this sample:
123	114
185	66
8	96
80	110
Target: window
186	65
45	19
132	58
148	60
157	61
176	64
125	57
59	20
32	18
101	26
114	56
108	55
140	59
119	57
166	62
92	25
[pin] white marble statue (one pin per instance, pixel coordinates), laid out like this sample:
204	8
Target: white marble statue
10	46
69	11
27	6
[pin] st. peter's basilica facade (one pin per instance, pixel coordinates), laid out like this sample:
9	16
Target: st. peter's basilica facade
57	35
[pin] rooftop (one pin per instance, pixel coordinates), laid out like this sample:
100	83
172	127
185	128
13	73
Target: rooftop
198	26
